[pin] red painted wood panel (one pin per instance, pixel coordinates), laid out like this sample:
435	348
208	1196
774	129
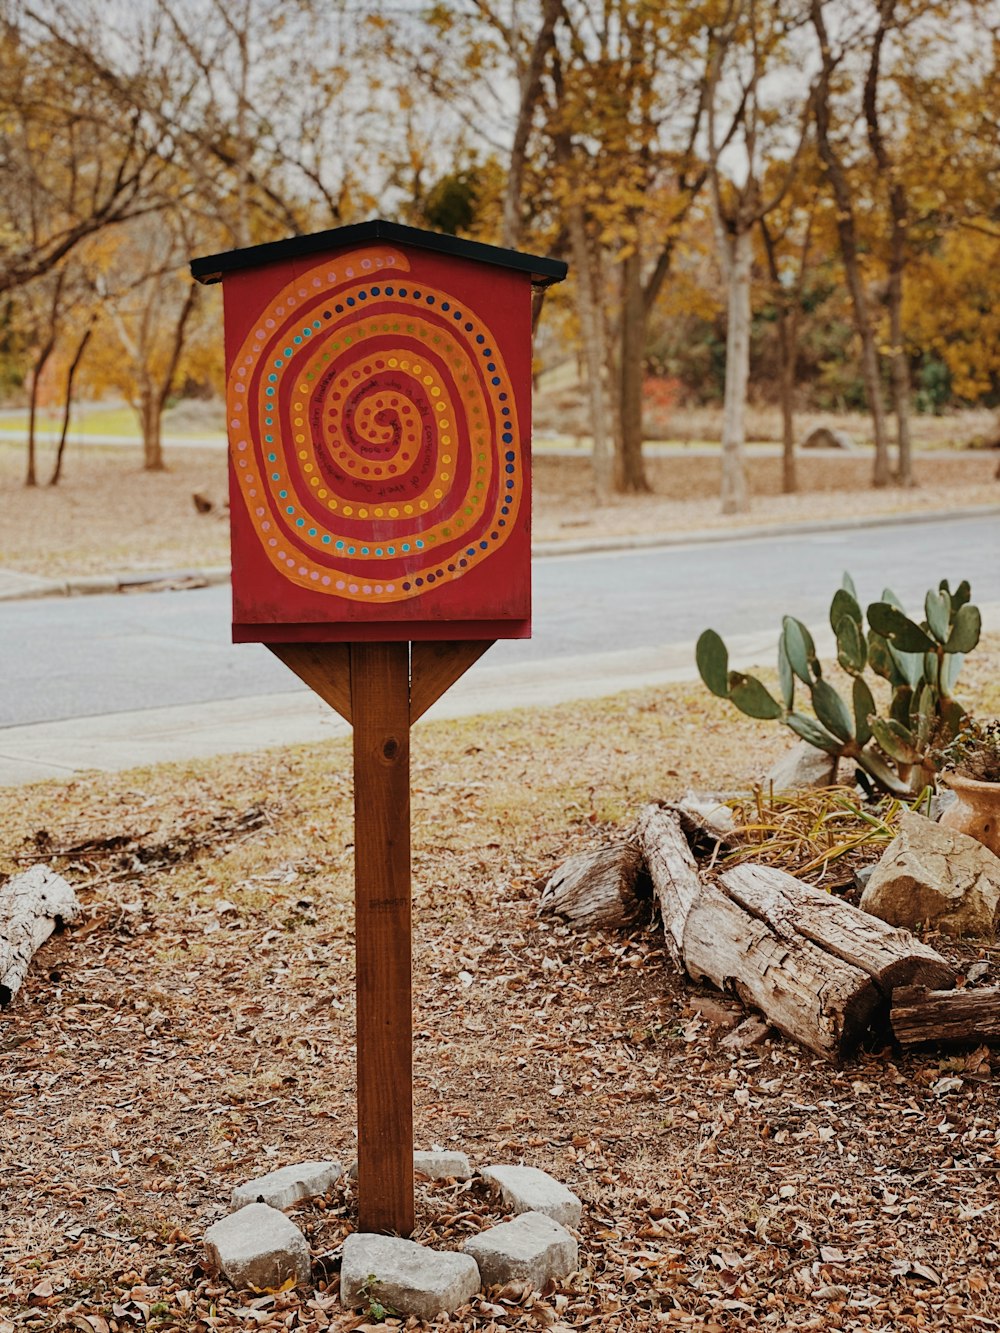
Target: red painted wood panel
379	418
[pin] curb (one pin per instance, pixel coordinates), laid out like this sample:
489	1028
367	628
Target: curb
756	531
176	580
96	584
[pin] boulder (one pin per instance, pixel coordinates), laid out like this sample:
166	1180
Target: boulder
803	766
937	877
257	1247
404	1277
531	1249
824	438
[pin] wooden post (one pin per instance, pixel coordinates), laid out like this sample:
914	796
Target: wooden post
380	705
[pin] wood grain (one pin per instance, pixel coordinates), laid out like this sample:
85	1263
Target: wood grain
380	707
890	956
811	995
435	666
959	1017
324	667
32	906
603	889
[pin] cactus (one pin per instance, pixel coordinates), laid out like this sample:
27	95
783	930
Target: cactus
898	753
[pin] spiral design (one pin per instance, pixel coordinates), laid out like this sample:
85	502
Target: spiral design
374	432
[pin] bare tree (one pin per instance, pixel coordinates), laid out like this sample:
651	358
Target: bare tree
847	232
750	39
74	158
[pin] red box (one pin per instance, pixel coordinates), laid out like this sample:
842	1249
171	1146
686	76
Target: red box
379	408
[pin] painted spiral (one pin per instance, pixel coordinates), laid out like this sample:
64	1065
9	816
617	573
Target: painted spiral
374	433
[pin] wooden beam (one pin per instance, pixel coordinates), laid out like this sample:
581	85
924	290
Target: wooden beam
380	706
324	667
435	666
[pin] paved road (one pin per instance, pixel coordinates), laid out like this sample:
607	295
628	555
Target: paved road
80	657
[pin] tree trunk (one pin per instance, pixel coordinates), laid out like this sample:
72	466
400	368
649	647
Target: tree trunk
847	237
630	472
150	416
68	404
531	88
787	304
32	905
962	1017
592	330
154	398
603	889
900	372
787	334
819	970
889	175
890	956
739	265
31	477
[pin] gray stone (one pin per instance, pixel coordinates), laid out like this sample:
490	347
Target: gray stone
438	1165
825	438
526	1189
257	1247
288	1184
709	812
862	875
936	877
803	766
531	1249
405	1277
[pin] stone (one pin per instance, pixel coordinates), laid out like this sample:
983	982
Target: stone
862	875
801	767
435	1164
440	1165
526	1189
824	438
709	812
936	877
531	1249
404	1277
257	1247
288	1184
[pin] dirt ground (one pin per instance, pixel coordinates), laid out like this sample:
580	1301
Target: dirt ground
108	516
196	1029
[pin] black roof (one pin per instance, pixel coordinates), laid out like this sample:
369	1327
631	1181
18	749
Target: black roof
212	268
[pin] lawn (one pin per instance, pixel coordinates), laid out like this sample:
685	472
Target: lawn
109	516
196	1030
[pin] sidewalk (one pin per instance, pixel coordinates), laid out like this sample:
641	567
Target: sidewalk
15	586
114	741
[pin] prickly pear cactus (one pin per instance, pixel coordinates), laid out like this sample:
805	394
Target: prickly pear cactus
899	752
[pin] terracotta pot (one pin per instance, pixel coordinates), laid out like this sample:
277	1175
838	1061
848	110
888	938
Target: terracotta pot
977	810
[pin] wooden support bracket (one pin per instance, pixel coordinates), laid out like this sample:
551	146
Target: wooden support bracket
434	668
325	668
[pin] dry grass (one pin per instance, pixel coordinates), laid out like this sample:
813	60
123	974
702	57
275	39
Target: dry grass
820	835
563	412
197	1030
109	516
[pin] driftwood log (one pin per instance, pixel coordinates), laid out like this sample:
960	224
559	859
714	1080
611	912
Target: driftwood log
819	970
889	955
949	1017
605	888
32	906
